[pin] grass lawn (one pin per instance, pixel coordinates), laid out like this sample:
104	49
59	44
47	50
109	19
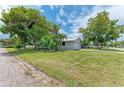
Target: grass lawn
86	67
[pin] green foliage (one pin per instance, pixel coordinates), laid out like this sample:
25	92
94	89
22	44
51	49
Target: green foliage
19	21
101	30
9	42
47	42
29	26
117	44
57	37
52	41
18	46
85	41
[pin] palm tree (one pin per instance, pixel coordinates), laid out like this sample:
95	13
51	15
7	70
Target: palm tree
55	31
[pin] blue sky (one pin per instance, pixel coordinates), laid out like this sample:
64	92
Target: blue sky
73	17
63	15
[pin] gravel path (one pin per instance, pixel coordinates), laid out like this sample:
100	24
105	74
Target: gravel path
17	73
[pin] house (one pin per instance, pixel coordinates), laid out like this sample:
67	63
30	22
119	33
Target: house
71	44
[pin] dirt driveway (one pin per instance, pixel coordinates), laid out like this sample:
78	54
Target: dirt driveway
15	72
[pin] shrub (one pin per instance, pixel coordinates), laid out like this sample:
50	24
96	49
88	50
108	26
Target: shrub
47	42
18	46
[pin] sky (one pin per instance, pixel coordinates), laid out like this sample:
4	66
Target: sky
73	17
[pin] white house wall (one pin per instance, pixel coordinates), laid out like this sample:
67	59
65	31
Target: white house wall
72	45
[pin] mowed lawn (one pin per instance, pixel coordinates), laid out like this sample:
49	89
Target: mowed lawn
86	67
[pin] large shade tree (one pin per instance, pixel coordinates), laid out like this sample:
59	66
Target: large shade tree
19	20
29	26
100	30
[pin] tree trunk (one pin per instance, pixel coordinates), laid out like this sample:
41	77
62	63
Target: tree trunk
98	45
34	45
56	48
24	46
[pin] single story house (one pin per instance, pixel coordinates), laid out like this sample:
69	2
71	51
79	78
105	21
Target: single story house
71	44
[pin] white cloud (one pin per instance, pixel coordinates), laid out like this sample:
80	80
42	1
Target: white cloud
73	35
61	12
59	20
3	7
115	12
70	35
81	21
62	31
56	6
52	7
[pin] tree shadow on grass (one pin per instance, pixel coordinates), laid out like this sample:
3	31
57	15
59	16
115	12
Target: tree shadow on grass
13	53
27	51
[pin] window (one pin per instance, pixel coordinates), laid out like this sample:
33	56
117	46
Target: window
63	43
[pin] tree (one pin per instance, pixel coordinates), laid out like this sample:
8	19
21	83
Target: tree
8	42
14	22
20	21
47	42
101	30
29	26
86	39
35	34
57	37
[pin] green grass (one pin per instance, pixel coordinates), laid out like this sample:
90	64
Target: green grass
86	67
